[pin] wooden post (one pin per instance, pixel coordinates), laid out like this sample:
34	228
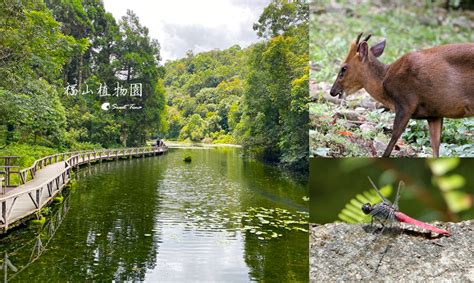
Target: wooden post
4	213
50	188
38	198
5	267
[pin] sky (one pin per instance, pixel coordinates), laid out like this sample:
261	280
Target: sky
197	25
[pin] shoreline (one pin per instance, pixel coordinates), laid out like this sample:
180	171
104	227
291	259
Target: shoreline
183	144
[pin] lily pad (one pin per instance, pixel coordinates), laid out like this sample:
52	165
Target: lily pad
271	222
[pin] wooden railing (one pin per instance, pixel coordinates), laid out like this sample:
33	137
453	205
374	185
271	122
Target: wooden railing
29	173
55	183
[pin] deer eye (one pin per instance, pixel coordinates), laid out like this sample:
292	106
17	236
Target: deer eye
343	71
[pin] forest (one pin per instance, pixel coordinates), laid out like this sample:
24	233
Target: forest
63	63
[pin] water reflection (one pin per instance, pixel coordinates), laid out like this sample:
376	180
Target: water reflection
162	219
15	254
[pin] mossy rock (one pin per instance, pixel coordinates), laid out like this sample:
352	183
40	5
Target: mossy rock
38	222
187	159
58	199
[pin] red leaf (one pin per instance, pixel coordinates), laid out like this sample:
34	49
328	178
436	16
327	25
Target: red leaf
345	133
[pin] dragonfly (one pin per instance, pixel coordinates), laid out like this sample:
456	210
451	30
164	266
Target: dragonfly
385	212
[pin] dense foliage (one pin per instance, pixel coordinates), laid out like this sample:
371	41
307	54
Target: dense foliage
62	61
203	93
57	56
256	97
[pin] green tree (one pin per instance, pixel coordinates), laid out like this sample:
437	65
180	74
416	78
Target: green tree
32	54
274	121
280	17
207	84
194	129
138	57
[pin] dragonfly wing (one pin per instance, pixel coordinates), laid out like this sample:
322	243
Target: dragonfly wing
378	191
401	186
382	212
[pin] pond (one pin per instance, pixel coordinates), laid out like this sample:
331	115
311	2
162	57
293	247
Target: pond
219	217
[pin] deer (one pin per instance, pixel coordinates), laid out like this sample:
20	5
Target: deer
430	84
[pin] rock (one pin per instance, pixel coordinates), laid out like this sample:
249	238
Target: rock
348	252
367	128
349	115
379	145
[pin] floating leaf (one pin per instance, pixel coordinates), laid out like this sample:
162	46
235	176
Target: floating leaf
300	229
266	222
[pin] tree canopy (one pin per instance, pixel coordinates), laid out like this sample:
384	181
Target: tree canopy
256	97
56	58
68	66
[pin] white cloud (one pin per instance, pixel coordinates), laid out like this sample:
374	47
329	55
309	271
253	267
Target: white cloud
194	25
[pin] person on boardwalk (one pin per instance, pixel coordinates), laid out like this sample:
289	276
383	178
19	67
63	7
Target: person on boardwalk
159	142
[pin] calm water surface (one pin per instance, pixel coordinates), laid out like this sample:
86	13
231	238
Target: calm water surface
161	219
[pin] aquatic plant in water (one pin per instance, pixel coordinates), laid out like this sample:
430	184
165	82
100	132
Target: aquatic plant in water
270	223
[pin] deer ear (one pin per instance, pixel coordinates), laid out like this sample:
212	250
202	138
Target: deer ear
378	48
363	50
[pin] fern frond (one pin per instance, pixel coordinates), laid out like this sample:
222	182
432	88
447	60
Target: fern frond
352	212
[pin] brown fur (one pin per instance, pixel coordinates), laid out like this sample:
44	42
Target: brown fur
429	84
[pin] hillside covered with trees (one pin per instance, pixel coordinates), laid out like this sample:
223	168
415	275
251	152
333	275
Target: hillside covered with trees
256	97
63	63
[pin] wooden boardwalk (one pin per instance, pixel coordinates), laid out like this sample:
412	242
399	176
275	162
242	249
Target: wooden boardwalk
40	183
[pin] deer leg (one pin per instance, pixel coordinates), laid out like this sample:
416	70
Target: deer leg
399	124
435	125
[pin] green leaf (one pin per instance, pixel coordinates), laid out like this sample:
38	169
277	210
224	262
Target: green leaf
458	201
451	182
443	165
352	212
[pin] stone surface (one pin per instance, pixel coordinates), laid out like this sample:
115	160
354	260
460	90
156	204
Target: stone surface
354	252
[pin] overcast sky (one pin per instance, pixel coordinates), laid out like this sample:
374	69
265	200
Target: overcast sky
198	25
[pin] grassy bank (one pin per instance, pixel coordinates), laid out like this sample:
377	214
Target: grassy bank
28	153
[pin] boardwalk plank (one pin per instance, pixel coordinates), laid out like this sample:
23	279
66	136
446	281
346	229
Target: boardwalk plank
19	202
